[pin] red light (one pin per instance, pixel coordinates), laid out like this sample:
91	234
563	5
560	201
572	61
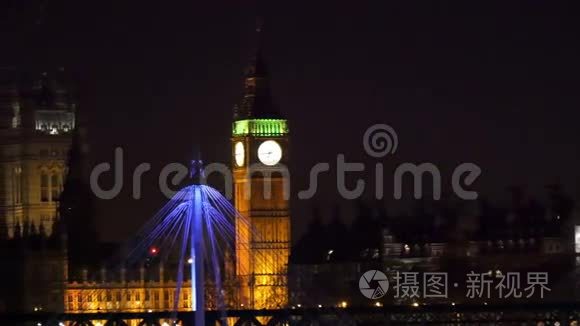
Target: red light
153	250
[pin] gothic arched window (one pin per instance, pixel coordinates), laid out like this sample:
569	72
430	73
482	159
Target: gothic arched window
43	187
55	186
17	185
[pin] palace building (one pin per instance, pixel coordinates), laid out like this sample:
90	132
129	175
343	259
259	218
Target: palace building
36	123
37	120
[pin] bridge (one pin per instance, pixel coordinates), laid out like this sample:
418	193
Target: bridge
528	314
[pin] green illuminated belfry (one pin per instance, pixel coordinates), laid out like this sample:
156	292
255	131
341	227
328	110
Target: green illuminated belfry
260	127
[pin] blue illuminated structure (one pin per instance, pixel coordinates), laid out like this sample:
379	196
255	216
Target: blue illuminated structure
201	221
196	243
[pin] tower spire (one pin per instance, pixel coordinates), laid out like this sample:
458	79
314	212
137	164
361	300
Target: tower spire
257	101
76	205
257	67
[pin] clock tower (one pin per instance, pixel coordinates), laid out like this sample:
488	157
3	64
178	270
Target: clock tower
261	184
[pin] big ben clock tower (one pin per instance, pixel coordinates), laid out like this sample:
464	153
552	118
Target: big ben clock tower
261	183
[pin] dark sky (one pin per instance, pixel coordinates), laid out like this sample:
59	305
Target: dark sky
495	84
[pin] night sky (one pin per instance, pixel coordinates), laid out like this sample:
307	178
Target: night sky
492	84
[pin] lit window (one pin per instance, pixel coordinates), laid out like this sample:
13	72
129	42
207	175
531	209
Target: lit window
17	185
55	187
43	187
577	238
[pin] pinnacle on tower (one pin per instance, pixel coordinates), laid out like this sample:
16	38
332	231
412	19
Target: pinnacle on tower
196	173
257	101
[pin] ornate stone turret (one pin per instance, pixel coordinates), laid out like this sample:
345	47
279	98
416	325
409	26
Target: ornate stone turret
123	274
37	116
103	274
142	275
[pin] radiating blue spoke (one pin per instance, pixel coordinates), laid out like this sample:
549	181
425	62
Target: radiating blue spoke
174	233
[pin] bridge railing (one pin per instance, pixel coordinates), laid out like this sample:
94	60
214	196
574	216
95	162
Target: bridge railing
541	314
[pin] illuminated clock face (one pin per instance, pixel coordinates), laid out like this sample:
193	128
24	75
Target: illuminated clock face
269	152
239	153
